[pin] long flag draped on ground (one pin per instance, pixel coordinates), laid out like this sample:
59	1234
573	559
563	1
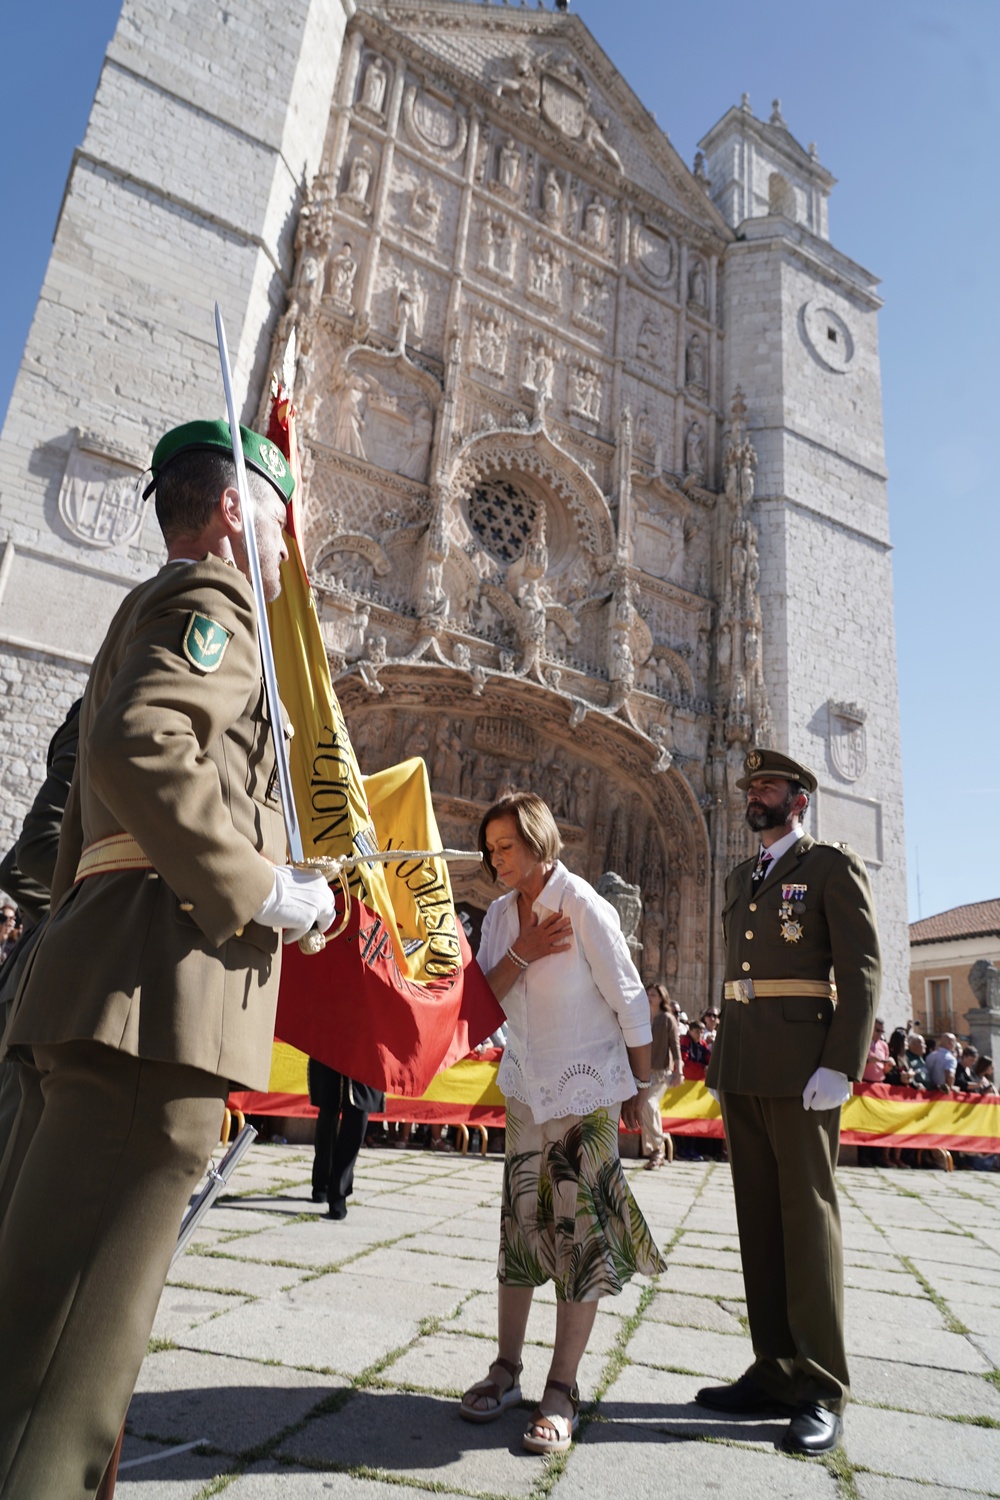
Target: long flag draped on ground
397	996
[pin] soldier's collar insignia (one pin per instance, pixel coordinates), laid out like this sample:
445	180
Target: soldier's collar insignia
205	642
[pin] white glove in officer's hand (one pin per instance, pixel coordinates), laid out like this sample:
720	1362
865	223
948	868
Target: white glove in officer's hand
826	1089
299	900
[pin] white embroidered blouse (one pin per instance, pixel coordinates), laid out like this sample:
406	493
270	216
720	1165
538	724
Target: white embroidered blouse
571	1015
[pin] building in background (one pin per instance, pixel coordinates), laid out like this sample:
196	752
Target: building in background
943	949
593	440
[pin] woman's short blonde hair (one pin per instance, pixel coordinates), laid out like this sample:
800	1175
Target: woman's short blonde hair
536	827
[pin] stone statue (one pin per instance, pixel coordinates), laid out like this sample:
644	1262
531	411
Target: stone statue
694	450
510	165
595	222
343	269
984	982
552	195
697	285
350	422
627	902
360	176
647	345
373	88
694	365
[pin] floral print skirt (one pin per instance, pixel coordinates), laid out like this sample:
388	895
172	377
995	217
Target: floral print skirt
567	1214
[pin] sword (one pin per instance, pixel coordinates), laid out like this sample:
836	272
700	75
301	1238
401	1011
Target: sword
293	832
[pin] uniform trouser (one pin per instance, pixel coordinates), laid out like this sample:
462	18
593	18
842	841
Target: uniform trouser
783	1159
339	1137
109	1149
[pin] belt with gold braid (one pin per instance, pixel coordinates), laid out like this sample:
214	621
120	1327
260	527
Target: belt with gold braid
107	856
745	990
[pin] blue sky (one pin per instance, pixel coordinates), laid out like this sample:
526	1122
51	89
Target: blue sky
903	99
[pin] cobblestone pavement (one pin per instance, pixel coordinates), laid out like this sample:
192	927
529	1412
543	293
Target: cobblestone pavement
298	1357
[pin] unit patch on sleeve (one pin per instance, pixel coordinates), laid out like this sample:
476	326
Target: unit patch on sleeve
205	642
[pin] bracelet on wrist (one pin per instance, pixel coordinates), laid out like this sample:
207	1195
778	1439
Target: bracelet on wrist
516	959
641	1083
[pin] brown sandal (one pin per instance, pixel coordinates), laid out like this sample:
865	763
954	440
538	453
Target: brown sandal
492	1392
563	1427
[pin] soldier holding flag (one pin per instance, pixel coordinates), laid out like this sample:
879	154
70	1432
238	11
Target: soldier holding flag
154	986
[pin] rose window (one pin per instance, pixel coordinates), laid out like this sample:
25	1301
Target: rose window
502	518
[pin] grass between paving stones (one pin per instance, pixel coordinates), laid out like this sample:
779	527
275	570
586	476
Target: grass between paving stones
953	1324
839	1465
160	1346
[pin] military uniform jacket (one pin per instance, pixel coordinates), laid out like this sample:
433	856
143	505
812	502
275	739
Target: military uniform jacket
175	750
773	1046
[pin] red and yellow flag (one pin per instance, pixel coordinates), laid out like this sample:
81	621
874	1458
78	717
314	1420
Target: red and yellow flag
398	995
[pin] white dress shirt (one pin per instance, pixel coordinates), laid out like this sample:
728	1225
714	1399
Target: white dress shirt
779	847
571	1015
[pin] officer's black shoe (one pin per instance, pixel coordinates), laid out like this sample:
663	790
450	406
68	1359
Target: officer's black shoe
813	1429
744	1398
337	1209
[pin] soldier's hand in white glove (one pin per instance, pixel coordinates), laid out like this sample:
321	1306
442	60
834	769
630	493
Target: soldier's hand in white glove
826	1089
299	901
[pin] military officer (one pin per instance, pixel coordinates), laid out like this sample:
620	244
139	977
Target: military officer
154	984
802	982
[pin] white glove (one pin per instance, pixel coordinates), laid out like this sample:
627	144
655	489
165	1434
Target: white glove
299	901
826	1089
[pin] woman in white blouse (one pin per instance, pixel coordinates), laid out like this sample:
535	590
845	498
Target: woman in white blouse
577	1057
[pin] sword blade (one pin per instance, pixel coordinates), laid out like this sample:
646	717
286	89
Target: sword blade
293	832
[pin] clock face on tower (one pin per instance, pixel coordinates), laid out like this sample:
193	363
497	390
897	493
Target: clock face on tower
827	335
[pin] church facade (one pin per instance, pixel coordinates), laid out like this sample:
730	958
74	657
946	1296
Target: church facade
595	489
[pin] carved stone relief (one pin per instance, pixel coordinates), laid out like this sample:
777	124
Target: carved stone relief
100	500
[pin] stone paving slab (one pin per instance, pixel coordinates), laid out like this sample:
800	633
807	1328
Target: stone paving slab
717	1354
888	1310
684	1278
878	1487
914	1345
691	1312
657	1466
947	1393
277	1481
235	1404
180	1476
418	1267
977	1316
864	1278
937	1271
946	1249
663	1402
423	1438
317	1324
182	1309
917	1447
219	1273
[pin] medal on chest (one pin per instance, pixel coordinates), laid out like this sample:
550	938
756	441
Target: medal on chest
792	907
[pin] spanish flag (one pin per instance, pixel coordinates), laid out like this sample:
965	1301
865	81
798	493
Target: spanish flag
397	996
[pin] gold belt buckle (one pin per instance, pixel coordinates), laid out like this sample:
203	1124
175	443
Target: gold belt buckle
743	989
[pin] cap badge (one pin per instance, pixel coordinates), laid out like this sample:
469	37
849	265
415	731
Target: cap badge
754	760
273	460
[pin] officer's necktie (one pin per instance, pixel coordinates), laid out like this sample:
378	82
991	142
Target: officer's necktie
763	865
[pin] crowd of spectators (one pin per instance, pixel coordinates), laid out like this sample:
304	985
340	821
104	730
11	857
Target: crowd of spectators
941	1065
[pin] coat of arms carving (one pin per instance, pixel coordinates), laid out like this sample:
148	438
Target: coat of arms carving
848	742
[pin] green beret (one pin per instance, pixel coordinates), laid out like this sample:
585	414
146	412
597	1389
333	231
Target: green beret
773	763
259	453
